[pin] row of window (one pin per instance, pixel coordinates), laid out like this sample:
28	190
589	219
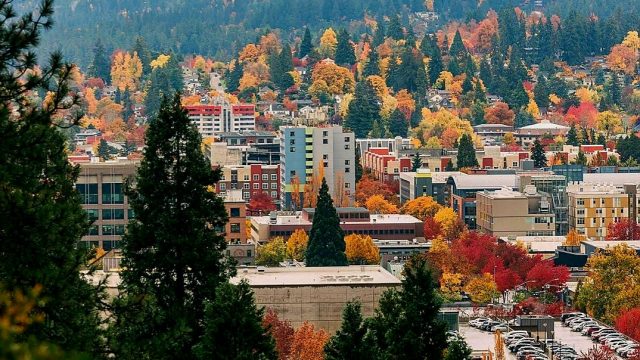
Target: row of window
109	214
247	195
581	201
286	233
256	177
107	230
106	244
112	193
247	186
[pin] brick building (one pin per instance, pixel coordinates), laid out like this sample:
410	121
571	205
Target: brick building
384	165
251	180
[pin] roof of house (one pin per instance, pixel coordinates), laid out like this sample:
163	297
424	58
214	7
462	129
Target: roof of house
316	276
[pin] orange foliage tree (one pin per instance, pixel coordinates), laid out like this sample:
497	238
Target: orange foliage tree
623	58
368	187
361	250
281	331
421	207
339	80
499	113
307	343
297	245
377	204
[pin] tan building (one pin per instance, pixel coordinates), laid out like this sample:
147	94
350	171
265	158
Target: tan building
235	231
101	187
317	295
593	207
510	213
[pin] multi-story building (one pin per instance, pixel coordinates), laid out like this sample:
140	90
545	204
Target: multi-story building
426	183
526	135
212	120
394	145
101	187
593	207
399	250
235	231
491	134
510	213
304	149
250	180
352	221
384	165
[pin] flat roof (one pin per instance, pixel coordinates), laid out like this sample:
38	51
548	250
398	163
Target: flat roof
316	276
483	181
602	244
612	178
373	218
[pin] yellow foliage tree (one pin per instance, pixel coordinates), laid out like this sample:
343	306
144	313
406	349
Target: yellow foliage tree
248	80
532	108
632	40
482	289
449	222
361	250
90	100
444	80
406	104
344	105
379	85
451	286
161	61
435	124
508	139
586	95
272	253
421	207
250	53
389	104
433	143
609	122
126	70
573	238
297	245
377	204
339	80
328	43
555	100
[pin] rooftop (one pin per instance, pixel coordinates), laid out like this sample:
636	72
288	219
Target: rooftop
373	218
612	178
485	181
544	125
504	193
316	276
634	244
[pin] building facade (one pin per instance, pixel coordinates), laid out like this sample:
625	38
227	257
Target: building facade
212	120
384	165
235	231
303	149
250	180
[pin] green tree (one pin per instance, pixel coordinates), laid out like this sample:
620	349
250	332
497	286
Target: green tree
629	148
538	155
466	153
435	65
305	46
398	124
272	253
373	66
280	64
572	136
416	163
42	219
364	110
395	30
140	47
173	252
232	78
541	92
523	118
164	81
580	159
100	66
477	113
379	35
350	341
344	50
458	350
358	166
457	48
233	327
326	239
377	130
106	151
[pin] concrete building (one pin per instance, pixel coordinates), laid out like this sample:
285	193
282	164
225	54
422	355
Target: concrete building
317	295
385	166
399	250
235	231
212	120
101	188
394	145
250	180
526	135
415	184
506	212
303	149
593	207
352	221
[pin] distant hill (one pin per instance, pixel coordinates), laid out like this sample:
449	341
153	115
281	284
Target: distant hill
219	28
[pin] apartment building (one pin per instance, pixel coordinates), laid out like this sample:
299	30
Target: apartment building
101	187
385	166
394	145
212	120
511	213
250	180
592	207
303	149
235	231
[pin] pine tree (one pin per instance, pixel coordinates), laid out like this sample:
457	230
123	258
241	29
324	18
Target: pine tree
344	51
41	218
416	163
326	239
305	46
373	66
379	35
572	136
395	28
100	66
467	85
105	151
358	166
477	113
584	136
458	350
523	118
479	94
427	44
173	253
581	159
377	130
466	153
280	64
364	110
457	48
435	65
602	140
233	77
537	155
398	124
233	327
541	92
453	67
350	341
140	47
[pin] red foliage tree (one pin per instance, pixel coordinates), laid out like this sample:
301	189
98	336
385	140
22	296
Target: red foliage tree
598	353
545	273
499	113
628	323
432	228
476	248
261	203
507	279
367	186
625	229
584	115
281	331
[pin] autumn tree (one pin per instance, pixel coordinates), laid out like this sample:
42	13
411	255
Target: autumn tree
368	187
624	229
545	273
481	289
451	286
328	43
297	245
450	224
326	239
350	341
126	70
361	250
281	331
628	323
573	238
421	207
377	204
623	58
261	203
308	344
336	79
499	113
272	253
609	123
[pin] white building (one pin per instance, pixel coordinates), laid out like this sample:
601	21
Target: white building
212	120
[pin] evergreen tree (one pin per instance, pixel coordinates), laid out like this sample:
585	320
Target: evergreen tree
538	155
140	47
613	91
305	46
105	151
435	65
477	113
572	136
100	65
233	327
379	35
127	105
395	30
457	48
377	130
164	81
173	253
398	124
541	93
458	350
467	85
479	94
350	341
629	148
326	239
416	163
453	67
407	323
41	218
364	110
358	166
344	51
486	74
280	64
117	98
466	153
523	118
373	66
602	140
581	159
233	77
449	166
585	137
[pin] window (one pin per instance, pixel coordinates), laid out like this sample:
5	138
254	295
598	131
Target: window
325	133
347	139
234	212
92	214
112	193
292	149
274	186
265	177
347	162
580	221
405	169
274	177
325	141
580	212
88	192
107	229
118	229
246	195
292	142
274	194
291	133
256	177
514	164
292	173
246	177
347	146
235	227
93	230
223	187
347	170
130	214
347	185
326	164
580	202
256	186
325	157
112	214
265	186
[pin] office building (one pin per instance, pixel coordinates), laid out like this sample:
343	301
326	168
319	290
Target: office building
303	149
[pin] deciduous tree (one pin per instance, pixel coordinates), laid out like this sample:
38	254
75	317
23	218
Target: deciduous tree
308	344
281	331
272	253
377	204
297	245
499	113
451	286
421	207
328	43
361	250
628	323
481	289
625	229
260	204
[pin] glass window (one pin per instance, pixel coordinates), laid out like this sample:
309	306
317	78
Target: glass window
93	230
112	214
265	186
88	193
92	214
112	193
274	177
255	186
107	230
265	177
118	229
234	212
246	177
256	177
325	141
223	187
274	186
246	195
274	194
235	227
130	214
